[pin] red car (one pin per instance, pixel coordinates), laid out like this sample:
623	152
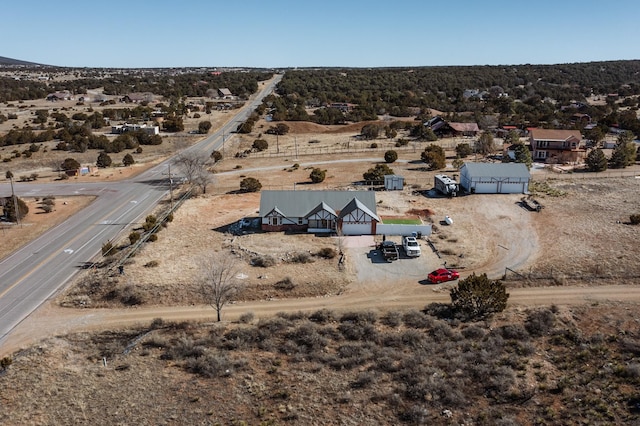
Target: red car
442	275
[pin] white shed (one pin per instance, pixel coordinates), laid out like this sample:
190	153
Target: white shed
495	178
393	182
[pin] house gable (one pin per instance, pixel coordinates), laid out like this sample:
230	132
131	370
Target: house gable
356	212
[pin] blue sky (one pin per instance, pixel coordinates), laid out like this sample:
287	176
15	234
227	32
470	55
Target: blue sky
299	33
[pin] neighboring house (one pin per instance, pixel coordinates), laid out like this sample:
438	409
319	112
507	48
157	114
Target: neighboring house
504	131
137	98
495	178
123	128
463	129
343	106
225	93
584	119
347	212
557	146
443	128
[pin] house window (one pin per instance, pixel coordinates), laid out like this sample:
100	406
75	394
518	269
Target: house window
541	154
299	221
274	221
543	144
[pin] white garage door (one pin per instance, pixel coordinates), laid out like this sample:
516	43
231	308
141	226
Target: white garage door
356	228
486	188
512	188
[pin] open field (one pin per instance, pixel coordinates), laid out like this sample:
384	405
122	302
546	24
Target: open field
523	366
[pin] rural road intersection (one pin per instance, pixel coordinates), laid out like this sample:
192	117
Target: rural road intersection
35	272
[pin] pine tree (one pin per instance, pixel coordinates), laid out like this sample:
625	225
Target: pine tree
476	297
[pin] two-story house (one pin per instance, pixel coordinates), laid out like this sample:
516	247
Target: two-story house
557	146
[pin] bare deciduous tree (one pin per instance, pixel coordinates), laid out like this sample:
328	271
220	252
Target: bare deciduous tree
203	179
192	165
485	145
218	280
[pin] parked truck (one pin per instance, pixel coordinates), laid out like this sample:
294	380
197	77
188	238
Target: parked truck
411	246
446	185
389	250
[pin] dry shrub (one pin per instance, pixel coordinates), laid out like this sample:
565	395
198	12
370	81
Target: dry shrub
413	339
322	316
362	317
243	337
292	316
127	295
214	365
131	296
513	332
285	284
473	332
358	331
307	337
247	317
263	261
364	379
539	322
156	342
392	319
274	325
151	264
416	319
327	253
186	347
301	257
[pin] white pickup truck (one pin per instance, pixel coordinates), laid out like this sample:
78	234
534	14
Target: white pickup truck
411	246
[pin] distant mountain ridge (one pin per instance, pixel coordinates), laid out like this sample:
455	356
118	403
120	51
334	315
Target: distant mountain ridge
10	61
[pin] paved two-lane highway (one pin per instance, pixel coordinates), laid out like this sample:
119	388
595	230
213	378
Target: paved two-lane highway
34	273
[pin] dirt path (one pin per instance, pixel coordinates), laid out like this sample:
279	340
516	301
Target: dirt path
52	320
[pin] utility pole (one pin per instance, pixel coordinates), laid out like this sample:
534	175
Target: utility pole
295	142
16	209
15	200
223	143
277	144
170	188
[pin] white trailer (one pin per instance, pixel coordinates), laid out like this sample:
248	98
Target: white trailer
446	185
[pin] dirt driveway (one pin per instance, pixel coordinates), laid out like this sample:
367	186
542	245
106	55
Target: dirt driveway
489	231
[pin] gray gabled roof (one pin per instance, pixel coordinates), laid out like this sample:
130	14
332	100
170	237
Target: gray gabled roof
320	207
497	170
300	203
355	204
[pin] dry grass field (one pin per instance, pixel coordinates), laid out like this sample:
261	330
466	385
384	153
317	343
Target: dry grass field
557	365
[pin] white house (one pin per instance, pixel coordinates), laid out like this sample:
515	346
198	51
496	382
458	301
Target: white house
349	212
123	128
